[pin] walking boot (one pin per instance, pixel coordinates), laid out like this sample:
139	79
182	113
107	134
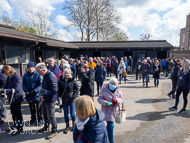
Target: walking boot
51	135
67	128
74	122
43	129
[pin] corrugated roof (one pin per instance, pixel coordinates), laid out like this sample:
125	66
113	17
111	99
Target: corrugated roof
11	32
122	44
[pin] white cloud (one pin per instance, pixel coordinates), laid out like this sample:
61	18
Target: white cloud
62	20
67	36
5	7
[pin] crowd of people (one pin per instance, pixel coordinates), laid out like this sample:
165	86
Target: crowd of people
46	85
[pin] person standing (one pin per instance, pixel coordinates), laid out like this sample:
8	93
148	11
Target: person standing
144	70
73	67
130	65
100	75
171	68
156	74
174	78
163	65
68	90
183	85
90	126
52	66
48	95
87	78
121	70
166	67
32	84
108	67
115	67
13	87
3	113
91	64
138	66
110	93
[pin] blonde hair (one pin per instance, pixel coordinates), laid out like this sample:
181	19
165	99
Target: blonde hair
185	66
8	70
67	69
84	107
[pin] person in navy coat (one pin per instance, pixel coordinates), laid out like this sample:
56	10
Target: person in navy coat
32	84
13	87
52	66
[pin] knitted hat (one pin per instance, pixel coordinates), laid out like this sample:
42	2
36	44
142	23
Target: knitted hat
31	64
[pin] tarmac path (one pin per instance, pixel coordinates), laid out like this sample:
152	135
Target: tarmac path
148	119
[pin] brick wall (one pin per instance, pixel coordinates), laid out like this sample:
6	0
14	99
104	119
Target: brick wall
180	54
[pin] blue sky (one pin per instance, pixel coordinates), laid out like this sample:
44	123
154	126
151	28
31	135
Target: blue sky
161	18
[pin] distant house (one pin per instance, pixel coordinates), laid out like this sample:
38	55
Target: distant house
18	47
185	36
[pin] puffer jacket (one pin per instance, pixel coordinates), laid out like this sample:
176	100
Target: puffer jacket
2	79
94	131
138	64
175	72
49	83
171	66
71	90
183	79
32	82
14	82
87	79
100	73
145	67
105	96
55	70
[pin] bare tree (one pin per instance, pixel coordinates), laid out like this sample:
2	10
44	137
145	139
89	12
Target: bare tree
118	35
6	20
146	36
40	20
90	16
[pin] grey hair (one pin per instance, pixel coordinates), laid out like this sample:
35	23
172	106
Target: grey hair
41	66
91	58
52	59
145	60
148	58
66	66
65	71
185	66
113	80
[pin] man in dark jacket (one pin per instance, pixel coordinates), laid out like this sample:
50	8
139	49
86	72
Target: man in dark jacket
73	67
166	67
32	83
88	77
2	85
115	66
144	70
130	64
174	78
52	66
138	66
48	95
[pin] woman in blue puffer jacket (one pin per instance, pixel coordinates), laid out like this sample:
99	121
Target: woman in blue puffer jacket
90	127
100	75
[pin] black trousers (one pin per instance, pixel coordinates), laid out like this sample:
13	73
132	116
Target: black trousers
137	72
181	89
174	84
108	71
33	107
17	116
99	86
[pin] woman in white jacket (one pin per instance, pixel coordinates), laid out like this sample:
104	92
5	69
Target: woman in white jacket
121	70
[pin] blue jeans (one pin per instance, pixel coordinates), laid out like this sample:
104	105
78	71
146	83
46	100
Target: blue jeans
143	77
166	72
156	81
116	74
72	111
110	127
148	77
120	76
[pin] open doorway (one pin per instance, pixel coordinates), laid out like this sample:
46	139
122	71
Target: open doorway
128	53
38	55
97	54
161	54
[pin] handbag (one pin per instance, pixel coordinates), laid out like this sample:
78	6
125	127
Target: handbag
121	115
124	74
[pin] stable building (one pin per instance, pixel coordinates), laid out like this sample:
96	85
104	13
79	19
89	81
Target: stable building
18	48
136	49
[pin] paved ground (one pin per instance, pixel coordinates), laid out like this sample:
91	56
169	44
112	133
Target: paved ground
148	119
